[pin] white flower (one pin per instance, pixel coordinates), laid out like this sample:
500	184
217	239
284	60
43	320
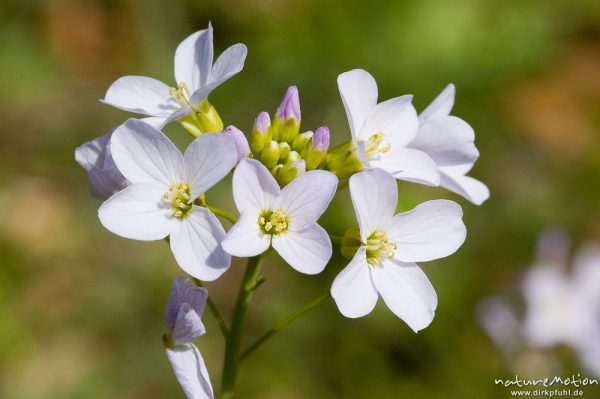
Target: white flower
104	176
286	218
195	74
449	141
184	309
382	131
165	184
562	308
383	263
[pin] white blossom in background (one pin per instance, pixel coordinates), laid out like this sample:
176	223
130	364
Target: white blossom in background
104	176
382	132
561	306
284	218
196	78
161	199
183	319
389	246
449	141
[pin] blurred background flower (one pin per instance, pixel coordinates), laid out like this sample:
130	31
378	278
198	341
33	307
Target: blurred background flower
81	310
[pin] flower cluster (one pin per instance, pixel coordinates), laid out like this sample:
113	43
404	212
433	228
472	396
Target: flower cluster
283	181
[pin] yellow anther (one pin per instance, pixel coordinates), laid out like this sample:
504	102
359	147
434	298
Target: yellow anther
378	246
178	198
373	146
273	222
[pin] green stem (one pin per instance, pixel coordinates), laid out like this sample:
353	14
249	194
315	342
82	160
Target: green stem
284	322
234	339
342	185
223	213
215	311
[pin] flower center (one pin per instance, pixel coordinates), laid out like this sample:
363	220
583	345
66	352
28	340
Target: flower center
273	222
379	246
178	198
373	146
181	94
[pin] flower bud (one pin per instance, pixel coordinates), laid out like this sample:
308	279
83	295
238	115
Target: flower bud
206	119
290	171
240	141
314	154
293	156
284	150
290	105
287	117
343	160
320	139
270	154
184	309
301	141
350	243
260	133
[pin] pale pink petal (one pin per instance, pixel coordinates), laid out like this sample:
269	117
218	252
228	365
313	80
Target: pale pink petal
193	59
358	90
306	198
254	188
432	230
245	238
142	95
374	196
440	106
407	291
196	245
144	154
190	371
208	159
307	251
408	164
138	212
353	289
395	118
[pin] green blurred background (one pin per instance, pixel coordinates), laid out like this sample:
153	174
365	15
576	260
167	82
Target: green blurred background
81	310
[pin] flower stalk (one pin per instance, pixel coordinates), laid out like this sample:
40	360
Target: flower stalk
234	339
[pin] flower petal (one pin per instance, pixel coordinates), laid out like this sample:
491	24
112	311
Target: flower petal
307	251
104	176
254	188
144	154
395	118
407	291
353	289
440	106
196	245
306	198
193	59
190	371
207	160
374	196
245	238
137	213
408	164
188	326
229	63
432	230
448	140
358	90
452	179
142	95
